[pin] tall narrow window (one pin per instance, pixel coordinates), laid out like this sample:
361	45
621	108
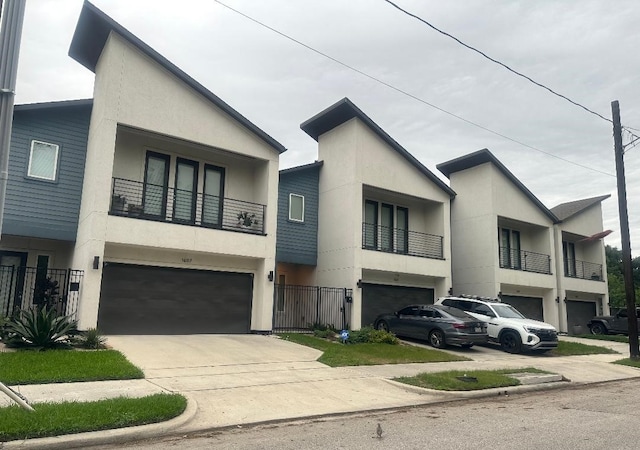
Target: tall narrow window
569	254
184	206
509	249
296	207
43	160
370	228
386	228
156	178
402	230
212	203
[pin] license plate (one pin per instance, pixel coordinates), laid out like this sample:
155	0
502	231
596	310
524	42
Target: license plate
478	329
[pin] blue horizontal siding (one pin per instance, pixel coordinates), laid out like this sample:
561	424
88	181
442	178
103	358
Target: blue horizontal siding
45	209
297	242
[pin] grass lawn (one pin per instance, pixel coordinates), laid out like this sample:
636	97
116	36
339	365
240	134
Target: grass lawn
566	348
629	362
339	355
448	381
62	366
605	337
55	419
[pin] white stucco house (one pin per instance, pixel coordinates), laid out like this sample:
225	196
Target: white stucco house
506	243
177	222
382	217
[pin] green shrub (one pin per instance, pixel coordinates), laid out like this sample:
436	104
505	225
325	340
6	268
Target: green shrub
40	329
324	334
91	339
368	335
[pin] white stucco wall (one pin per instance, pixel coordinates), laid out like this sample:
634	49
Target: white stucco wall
131	89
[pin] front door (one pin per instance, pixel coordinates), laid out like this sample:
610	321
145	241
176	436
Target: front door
12	267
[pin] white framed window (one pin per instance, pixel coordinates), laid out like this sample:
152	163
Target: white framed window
296	207
43	160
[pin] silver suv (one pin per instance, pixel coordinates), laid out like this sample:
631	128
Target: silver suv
506	325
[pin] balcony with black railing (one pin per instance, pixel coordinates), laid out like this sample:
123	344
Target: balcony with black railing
583	270
525	260
165	204
401	241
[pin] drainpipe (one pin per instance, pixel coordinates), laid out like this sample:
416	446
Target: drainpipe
10	34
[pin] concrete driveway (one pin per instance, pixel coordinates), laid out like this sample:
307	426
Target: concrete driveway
253	378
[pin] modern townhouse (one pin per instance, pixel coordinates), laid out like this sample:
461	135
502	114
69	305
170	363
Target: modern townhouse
176	230
581	263
367	216
506	243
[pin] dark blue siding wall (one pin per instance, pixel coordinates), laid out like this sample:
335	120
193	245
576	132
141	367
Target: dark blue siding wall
296	242
47	209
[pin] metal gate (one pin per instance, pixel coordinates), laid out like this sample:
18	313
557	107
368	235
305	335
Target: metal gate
26	287
299	308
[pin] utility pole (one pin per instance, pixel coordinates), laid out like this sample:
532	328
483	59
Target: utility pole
10	34
634	351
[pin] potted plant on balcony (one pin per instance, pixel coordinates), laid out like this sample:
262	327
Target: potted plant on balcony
246	220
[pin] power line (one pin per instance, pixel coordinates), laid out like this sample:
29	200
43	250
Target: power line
408	94
498	62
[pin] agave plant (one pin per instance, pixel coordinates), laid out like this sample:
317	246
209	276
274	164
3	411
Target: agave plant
40	328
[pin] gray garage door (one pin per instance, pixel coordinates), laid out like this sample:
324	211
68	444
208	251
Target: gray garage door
530	307
158	300
380	299
578	314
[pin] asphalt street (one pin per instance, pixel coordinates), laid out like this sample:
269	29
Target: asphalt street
588	417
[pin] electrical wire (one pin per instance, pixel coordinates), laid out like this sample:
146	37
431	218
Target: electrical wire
408	94
499	62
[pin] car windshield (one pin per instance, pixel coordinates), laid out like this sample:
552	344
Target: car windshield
507	311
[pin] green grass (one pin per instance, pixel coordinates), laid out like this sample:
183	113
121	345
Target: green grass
566	348
629	362
54	419
448	381
339	355
63	366
605	337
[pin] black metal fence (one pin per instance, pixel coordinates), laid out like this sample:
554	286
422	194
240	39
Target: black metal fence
162	203
299	308
582	269
525	260
26	287
398	240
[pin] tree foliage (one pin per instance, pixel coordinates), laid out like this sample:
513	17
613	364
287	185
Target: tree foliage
615	275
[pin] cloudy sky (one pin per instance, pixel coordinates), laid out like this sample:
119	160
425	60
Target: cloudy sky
586	50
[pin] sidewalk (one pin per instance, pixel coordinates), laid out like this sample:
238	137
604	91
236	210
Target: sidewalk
290	384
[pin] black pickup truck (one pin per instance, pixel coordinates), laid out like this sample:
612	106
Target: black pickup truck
617	324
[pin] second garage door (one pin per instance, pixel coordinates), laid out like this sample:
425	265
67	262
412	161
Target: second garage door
381	299
159	300
530	307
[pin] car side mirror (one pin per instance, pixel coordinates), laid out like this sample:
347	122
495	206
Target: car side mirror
396	314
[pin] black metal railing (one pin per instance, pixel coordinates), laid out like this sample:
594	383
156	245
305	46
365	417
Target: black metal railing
583	270
27	287
161	203
401	241
524	260
299	308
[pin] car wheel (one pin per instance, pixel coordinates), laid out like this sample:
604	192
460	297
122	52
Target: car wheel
436	339
510	342
382	326
598	328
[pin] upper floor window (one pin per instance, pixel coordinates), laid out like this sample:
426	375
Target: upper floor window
296	207
43	160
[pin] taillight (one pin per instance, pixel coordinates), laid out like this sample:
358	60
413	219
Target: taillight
459	325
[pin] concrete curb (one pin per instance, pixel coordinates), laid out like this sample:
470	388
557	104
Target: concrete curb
113	436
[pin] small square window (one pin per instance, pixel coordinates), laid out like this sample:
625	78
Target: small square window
296	207
43	160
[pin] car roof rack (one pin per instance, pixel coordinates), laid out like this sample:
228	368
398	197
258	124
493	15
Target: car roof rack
477	297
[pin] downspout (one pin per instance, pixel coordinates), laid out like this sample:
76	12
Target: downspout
10	34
